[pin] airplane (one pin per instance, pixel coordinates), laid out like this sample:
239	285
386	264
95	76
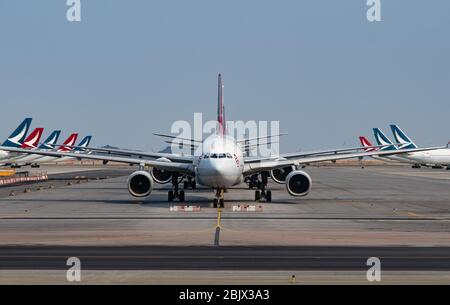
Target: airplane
382	139
368	147
64	148
437	158
48	144
15	139
81	147
219	164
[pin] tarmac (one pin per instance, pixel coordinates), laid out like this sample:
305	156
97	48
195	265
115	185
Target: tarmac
397	213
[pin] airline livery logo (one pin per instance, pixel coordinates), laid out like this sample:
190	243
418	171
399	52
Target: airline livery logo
383	140
51	140
69	142
33	139
17	137
366	143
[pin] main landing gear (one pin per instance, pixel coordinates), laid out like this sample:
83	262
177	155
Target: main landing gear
261	185
176	193
219	200
190	183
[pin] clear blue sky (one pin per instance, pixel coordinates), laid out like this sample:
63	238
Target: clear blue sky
133	67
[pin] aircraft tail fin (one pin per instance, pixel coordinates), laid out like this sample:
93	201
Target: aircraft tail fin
18	135
383	140
69	142
32	141
83	143
221	128
402	138
368	147
51	140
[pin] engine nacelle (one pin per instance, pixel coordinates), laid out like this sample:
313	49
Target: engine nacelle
279	175
140	184
161	176
298	183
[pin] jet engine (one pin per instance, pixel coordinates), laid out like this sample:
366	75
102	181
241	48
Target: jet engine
161	176
140	184
279	175
298	183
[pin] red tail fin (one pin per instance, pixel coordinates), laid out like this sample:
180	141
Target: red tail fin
69	142
220	109
366	143
33	139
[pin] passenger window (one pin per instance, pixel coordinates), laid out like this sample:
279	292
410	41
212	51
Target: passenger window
229	156
206	156
214	156
222	156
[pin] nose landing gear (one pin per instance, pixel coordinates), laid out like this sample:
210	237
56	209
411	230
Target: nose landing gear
219	200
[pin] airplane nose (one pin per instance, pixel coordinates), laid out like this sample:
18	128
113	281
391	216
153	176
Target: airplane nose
217	168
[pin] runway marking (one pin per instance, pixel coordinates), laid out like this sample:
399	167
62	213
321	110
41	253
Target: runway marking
217	233
224	256
413	214
219	213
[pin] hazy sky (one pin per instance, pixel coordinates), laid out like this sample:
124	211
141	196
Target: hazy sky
133	67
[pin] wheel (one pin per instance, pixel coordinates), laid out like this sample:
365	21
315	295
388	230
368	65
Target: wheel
185	185
215	203
269	196
257	195
170	196
181	196
194	185
448	168
222	203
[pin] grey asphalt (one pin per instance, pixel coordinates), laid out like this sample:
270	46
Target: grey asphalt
225	258
398	214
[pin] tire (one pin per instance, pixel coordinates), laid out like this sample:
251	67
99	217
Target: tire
185	185
194	185
222	203
182	196
257	195
170	196
215	203
269	196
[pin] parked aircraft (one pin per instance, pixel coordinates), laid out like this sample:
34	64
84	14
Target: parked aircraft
219	163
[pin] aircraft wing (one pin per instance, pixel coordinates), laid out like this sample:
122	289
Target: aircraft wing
185	168
311	153
162	135
126	152
267	165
